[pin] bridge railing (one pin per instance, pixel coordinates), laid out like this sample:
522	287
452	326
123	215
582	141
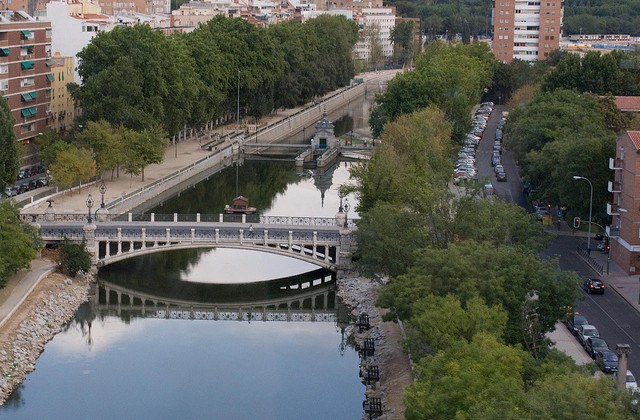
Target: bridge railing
189	218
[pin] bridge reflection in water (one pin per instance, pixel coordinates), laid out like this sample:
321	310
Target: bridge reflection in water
307	297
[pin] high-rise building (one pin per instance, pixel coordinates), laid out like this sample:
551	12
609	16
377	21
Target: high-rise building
25	76
527	30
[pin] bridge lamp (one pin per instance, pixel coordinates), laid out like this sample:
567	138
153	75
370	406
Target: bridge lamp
341	195
346	210
103	190
89	205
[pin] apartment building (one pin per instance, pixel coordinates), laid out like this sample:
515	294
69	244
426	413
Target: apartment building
25	75
62	104
625	206
527	30
381	19
113	8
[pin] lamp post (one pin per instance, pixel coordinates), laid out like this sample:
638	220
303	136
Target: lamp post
238	110
590	210
89	205
341	195
346	210
103	190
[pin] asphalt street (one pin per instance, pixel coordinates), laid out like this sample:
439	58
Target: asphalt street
615	319
611	314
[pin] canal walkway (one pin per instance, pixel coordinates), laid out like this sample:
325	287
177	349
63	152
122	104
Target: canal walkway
177	157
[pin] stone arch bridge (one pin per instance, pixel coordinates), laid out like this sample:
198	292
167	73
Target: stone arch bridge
325	242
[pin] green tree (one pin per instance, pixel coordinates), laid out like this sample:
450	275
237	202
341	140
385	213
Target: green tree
441	322
9	154
74	257
144	149
506	275
137	77
19	242
477	380
106	143
373	40
73	165
404	45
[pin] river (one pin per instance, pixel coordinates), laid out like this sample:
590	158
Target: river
259	348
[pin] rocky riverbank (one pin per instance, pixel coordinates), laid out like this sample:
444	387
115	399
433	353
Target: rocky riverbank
53	303
360	294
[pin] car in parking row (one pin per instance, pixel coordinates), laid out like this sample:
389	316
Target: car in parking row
465	166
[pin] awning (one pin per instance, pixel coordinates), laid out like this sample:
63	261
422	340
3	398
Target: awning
34	94
26	97
29	112
27	65
50	77
26	33
5	51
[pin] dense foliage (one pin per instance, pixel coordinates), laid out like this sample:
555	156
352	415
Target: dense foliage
74	257
9	156
19	242
141	79
451	76
466	279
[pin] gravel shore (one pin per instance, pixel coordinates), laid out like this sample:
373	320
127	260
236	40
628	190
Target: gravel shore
52	304
360	294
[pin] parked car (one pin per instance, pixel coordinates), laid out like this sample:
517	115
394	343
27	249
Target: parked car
501	176
593	345
23	188
488	190
593	286
607	361
575	322
498	168
10	191
495	160
630	381
586	331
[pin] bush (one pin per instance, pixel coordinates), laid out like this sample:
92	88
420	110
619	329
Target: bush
74	257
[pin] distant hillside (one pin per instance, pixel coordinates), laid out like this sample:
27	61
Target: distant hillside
440	17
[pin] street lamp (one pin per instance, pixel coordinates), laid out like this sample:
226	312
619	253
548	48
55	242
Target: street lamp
590	210
346	210
103	190
238	110
341	195
89	205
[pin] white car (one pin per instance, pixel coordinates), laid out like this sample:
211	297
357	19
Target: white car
586	331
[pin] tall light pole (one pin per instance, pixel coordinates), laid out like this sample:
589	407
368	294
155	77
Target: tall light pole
238	110
590	209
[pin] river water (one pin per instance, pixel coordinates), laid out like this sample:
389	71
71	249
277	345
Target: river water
211	334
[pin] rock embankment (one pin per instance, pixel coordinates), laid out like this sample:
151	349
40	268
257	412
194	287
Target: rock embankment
38	320
360	294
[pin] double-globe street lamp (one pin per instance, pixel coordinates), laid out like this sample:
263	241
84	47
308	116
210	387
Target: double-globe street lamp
590	210
89	205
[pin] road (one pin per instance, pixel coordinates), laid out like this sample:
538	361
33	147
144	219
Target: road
610	313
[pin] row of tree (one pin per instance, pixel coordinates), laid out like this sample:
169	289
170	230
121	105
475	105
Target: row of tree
567	126
140	78
466	279
451	76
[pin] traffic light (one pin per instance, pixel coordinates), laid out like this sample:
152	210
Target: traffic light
576	222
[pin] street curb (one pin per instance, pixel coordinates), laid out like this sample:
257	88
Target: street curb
48	271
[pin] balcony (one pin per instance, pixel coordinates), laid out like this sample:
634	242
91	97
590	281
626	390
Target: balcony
614	209
613	231
615	187
615	164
